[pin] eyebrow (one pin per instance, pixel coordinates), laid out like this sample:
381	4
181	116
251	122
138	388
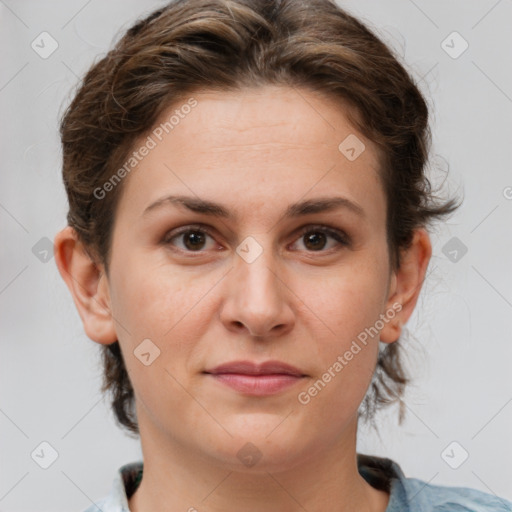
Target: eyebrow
205	207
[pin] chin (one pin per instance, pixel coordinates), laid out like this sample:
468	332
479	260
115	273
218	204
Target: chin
255	451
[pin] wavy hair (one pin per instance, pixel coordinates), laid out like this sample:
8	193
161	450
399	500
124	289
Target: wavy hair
194	45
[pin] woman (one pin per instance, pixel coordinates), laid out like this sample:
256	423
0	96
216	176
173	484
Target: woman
246	238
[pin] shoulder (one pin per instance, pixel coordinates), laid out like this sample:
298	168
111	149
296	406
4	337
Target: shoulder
414	495
124	484
420	495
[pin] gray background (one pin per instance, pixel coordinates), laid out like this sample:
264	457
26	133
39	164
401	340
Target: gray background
461	351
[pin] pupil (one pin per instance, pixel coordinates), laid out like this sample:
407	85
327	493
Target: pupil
314	240
196	239
314	237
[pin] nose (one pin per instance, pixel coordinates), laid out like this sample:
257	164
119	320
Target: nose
257	299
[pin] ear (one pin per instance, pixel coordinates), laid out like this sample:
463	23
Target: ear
406	283
88	285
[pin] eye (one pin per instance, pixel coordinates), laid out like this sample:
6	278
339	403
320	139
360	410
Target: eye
315	238
193	238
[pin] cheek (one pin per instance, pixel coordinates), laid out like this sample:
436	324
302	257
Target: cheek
349	299
345	368
154	297
349	306
165	306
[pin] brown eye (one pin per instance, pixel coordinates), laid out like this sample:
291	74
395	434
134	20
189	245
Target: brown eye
316	238
314	241
192	239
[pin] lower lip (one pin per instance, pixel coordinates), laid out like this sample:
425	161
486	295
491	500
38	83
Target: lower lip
257	385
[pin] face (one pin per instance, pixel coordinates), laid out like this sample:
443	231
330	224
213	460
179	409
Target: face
255	278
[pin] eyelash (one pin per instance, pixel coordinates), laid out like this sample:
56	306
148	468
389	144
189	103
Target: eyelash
340	236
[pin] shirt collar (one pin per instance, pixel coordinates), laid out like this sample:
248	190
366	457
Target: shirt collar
381	473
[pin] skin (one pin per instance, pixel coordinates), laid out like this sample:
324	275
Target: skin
255	152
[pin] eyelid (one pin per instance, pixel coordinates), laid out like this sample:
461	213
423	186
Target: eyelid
173	233
340	235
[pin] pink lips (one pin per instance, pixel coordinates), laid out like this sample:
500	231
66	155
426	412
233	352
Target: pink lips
257	380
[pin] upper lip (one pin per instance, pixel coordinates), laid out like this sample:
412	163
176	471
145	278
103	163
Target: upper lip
250	368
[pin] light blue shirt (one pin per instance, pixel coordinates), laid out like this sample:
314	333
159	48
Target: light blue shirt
406	494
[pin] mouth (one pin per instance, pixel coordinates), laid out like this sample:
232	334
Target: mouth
254	379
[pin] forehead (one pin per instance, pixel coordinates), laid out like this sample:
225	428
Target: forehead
251	146
297	116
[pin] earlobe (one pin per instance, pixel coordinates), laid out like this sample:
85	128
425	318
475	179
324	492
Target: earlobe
88	286
407	284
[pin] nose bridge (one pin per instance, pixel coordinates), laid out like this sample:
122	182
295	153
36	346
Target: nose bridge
256	299
255	268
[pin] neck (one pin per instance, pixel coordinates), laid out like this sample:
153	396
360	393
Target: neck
176	479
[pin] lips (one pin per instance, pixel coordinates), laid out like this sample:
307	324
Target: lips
248	378
250	368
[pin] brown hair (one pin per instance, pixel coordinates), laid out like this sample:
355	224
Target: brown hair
193	45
